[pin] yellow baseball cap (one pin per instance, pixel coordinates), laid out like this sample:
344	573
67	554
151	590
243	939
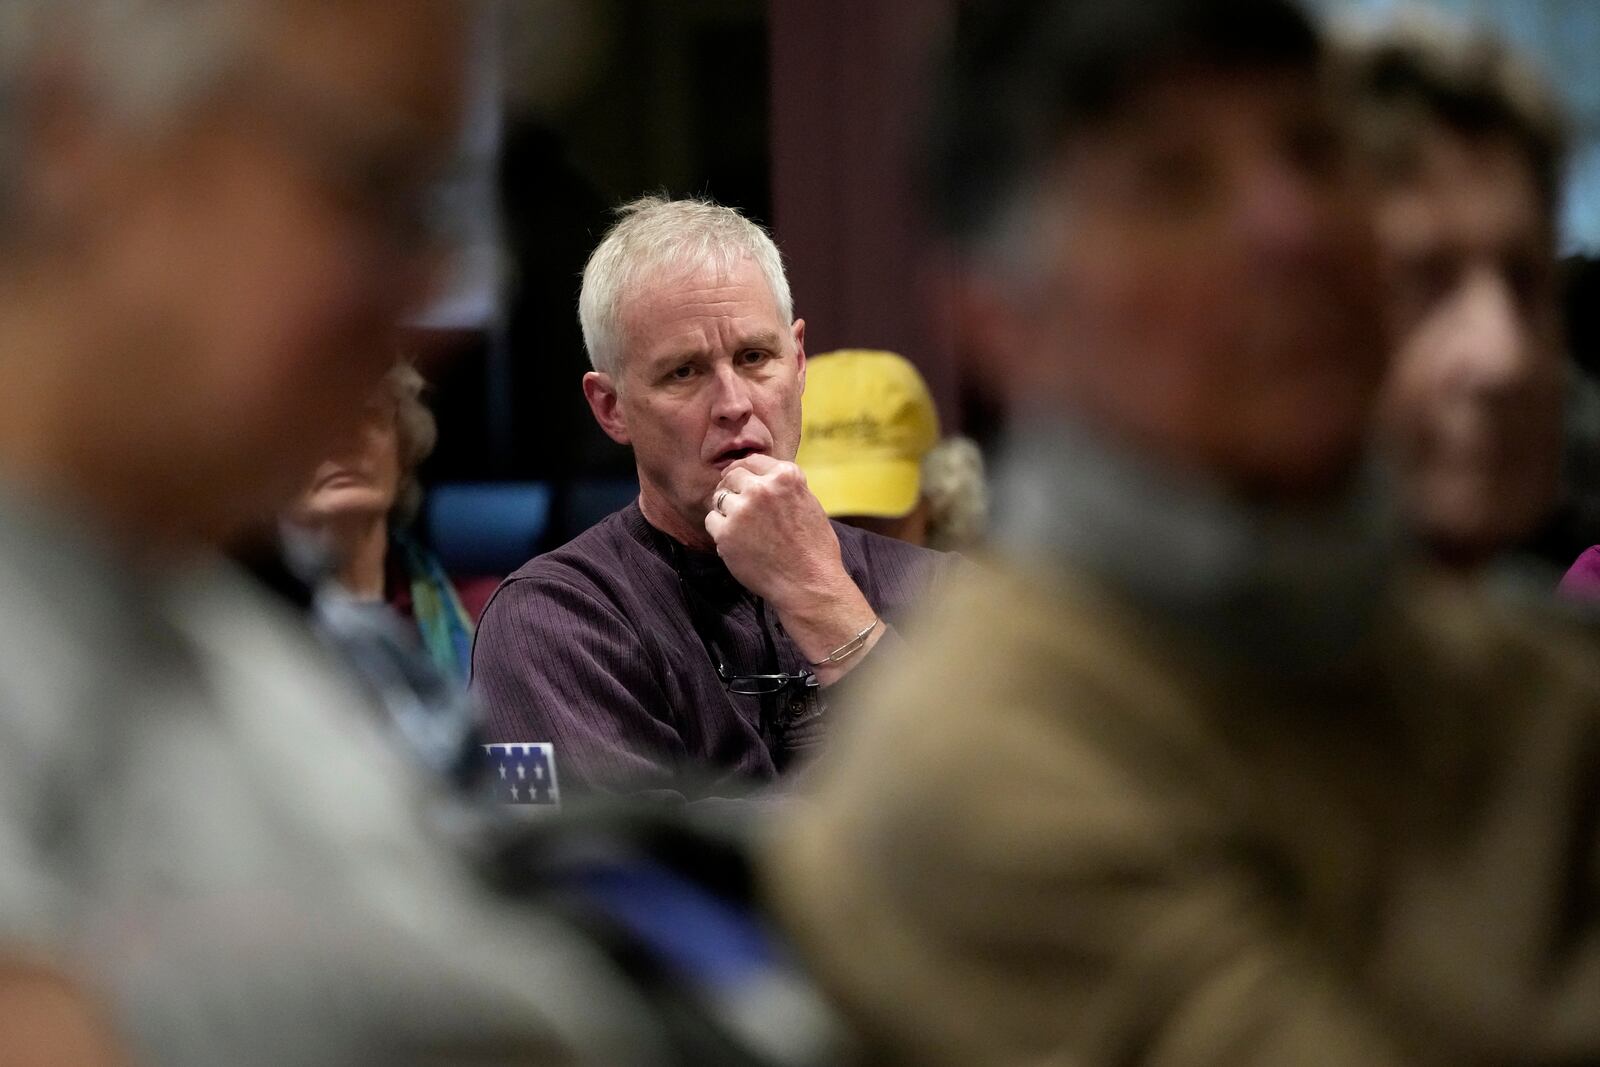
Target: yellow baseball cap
866	422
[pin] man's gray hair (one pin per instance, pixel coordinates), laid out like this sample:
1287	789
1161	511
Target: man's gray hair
1405	77
655	233
135	62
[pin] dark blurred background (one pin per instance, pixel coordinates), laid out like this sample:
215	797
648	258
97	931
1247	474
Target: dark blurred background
794	111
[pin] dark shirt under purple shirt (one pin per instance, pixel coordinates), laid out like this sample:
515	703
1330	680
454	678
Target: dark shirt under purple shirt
592	647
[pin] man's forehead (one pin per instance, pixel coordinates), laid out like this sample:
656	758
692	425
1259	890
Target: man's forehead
703	278
1467	191
1172	90
670	298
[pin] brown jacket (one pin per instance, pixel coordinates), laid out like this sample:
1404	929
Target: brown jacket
1061	833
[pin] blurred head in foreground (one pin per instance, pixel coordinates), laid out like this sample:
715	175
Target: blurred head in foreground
1467	145
866	426
1161	241
215	213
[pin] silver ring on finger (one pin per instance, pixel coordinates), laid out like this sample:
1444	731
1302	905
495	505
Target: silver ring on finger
716	505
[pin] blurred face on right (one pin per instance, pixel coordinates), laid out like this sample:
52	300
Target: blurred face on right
1472	405
1204	287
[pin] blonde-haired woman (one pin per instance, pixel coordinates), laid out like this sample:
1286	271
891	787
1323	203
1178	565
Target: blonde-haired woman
360	502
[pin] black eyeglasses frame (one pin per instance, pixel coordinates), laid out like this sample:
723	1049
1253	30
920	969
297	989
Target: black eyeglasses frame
742	684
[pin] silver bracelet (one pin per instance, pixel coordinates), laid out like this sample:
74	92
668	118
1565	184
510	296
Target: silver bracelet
849	648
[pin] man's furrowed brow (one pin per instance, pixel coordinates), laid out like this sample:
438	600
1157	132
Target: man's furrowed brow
675	358
765	340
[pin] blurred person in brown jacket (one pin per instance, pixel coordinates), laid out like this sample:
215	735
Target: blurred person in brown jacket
1203	774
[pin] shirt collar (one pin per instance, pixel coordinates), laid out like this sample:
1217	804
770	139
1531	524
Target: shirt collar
1295	587
704	569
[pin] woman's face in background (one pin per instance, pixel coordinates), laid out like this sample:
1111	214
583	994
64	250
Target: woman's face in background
362	478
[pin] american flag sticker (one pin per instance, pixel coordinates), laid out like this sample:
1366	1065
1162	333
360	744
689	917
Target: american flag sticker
524	773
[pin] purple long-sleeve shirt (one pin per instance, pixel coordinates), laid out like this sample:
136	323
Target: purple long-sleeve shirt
594	648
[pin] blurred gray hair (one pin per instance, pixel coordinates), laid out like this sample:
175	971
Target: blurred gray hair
416	435
136	62
1403	77
957	492
655	233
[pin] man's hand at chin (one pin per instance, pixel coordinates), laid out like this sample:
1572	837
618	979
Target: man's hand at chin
777	542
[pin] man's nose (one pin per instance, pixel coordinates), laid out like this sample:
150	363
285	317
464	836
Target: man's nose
1493	341
731	397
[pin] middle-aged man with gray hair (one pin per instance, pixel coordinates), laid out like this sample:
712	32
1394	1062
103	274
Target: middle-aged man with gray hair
684	646
1202	774
213	222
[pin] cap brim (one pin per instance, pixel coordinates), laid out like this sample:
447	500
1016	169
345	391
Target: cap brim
885	489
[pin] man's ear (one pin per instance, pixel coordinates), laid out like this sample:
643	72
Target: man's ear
601	394
799	329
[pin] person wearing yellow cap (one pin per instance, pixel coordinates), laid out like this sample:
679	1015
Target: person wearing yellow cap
872	454
867	423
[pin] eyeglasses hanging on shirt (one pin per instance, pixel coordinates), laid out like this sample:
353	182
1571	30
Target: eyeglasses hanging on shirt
791	704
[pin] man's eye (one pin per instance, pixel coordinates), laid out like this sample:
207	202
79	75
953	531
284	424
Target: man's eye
683	373
1428	277
1177	177
1528	278
754	357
